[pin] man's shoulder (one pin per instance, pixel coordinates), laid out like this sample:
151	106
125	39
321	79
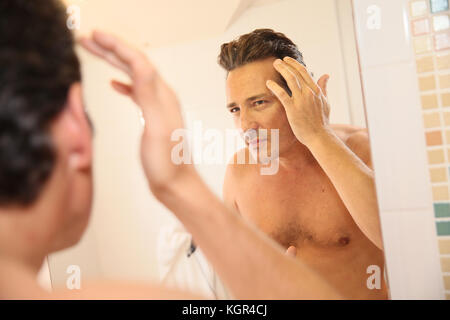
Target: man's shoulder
348	131
239	167
356	139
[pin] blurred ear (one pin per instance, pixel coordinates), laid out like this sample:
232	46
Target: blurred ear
79	132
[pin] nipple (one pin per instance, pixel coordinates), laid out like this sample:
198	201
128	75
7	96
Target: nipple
343	241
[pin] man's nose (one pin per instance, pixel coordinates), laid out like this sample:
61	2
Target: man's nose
247	122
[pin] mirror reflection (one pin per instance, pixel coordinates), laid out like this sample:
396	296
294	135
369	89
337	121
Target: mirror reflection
262	98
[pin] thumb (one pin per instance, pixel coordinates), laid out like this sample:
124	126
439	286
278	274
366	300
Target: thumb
322	83
291	251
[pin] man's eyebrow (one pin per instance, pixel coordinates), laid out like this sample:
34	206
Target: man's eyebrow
258	96
231	105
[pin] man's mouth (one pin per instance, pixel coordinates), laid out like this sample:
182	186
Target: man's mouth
256	142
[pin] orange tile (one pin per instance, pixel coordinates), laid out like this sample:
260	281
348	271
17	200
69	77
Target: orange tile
440	193
429	101
436	156
427	83
447	136
445	97
423	44
444	81
447	282
433	138
443	61
438	175
425	64
446	118
444	246
445	264
431	120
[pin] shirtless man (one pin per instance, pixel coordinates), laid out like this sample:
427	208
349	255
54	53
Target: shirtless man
46	179
322	202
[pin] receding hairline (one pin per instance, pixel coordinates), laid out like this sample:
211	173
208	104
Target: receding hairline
279	80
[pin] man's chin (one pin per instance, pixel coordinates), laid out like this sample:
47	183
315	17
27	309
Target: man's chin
72	234
263	152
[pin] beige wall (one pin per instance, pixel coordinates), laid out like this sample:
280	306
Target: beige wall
398	150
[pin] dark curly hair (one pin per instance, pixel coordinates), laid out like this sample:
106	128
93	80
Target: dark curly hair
257	45
38	65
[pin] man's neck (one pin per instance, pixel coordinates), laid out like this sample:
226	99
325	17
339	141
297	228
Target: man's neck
297	157
18	242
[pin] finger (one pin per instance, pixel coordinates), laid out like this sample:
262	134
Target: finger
291	251
279	92
322	83
100	52
305	76
290	75
130	56
121	87
90	46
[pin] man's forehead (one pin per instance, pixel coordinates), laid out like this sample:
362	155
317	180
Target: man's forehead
256	70
252	77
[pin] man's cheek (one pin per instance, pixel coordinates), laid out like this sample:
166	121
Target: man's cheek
237	122
277	121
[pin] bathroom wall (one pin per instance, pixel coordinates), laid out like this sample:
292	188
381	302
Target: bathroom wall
120	242
430	33
404	54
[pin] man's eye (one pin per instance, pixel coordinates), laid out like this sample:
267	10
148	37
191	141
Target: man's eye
259	102
233	110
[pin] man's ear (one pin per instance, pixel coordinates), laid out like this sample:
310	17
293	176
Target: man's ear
80	151
322	83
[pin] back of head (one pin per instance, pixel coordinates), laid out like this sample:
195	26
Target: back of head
257	45
38	65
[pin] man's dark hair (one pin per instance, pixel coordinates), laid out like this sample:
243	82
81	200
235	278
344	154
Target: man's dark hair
257	45
38	65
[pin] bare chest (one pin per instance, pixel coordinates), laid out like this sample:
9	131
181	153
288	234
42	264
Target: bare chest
297	209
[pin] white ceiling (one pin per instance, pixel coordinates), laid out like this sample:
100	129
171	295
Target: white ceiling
156	23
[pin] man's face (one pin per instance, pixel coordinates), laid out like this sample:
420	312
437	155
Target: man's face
253	105
72	135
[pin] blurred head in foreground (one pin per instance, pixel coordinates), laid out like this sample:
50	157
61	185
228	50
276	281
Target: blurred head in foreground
45	136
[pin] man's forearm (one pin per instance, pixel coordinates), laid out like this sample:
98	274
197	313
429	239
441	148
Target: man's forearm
251	265
353	180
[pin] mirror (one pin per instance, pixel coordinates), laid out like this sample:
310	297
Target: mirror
131	236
